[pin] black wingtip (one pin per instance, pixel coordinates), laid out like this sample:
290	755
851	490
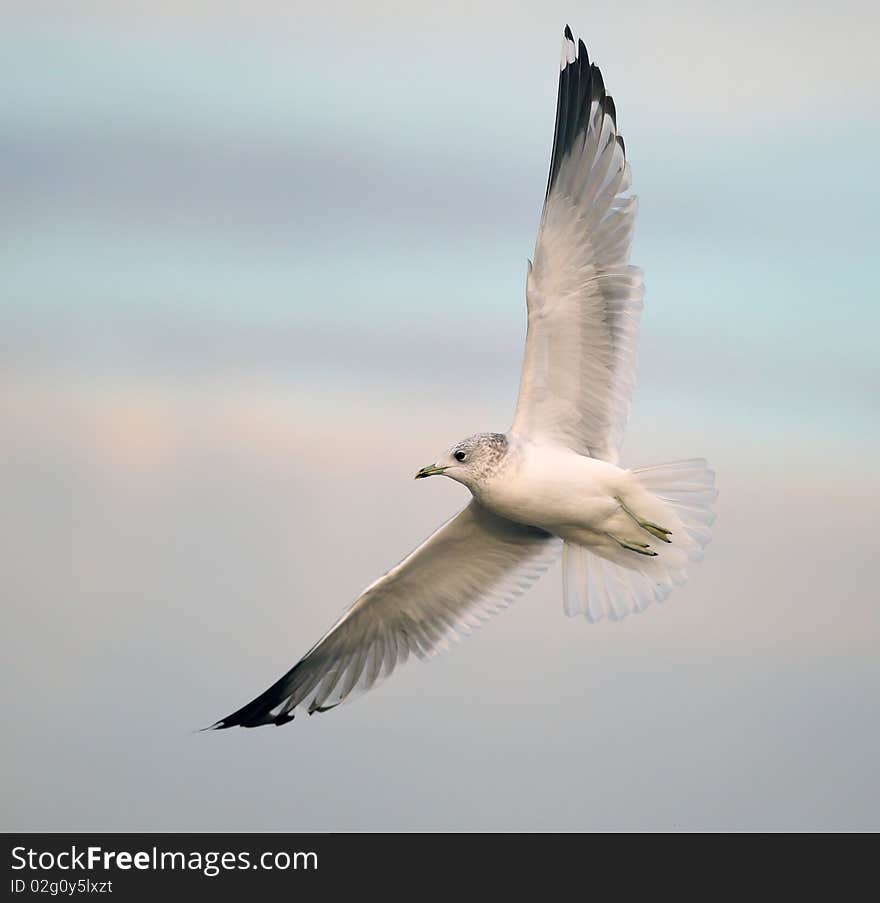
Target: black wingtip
610	109
320	709
598	83
216	726
226	723
568	33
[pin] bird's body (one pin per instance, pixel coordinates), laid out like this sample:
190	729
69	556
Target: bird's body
592	505
553	482
552	487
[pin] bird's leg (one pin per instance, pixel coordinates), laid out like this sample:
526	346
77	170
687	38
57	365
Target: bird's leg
653	529
641	547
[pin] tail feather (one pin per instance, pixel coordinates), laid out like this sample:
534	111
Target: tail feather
600	588
689	488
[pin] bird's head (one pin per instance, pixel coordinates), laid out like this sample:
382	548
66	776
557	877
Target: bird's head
470	460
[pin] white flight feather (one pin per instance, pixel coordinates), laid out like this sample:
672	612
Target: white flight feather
472	567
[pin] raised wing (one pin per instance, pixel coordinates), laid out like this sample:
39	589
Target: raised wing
584	301
473	566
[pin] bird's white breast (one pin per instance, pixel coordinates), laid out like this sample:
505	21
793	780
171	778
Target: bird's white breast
551	486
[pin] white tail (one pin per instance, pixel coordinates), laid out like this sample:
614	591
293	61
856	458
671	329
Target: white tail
682	494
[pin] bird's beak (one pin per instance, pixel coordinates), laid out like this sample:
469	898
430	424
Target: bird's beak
429	471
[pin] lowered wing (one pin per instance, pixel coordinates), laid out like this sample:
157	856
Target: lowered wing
473	566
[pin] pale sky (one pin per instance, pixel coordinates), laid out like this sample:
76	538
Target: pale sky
259	266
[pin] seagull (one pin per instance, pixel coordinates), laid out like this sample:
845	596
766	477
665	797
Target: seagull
552	483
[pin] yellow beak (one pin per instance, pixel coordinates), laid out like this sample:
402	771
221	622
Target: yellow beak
429	471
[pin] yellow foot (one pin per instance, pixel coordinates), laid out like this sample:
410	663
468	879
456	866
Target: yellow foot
641	547
652	528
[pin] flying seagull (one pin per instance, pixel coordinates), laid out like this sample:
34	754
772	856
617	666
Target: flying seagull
553	481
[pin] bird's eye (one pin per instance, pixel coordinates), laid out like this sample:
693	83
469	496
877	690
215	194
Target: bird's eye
459	456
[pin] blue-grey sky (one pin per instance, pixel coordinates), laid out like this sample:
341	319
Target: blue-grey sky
260	262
